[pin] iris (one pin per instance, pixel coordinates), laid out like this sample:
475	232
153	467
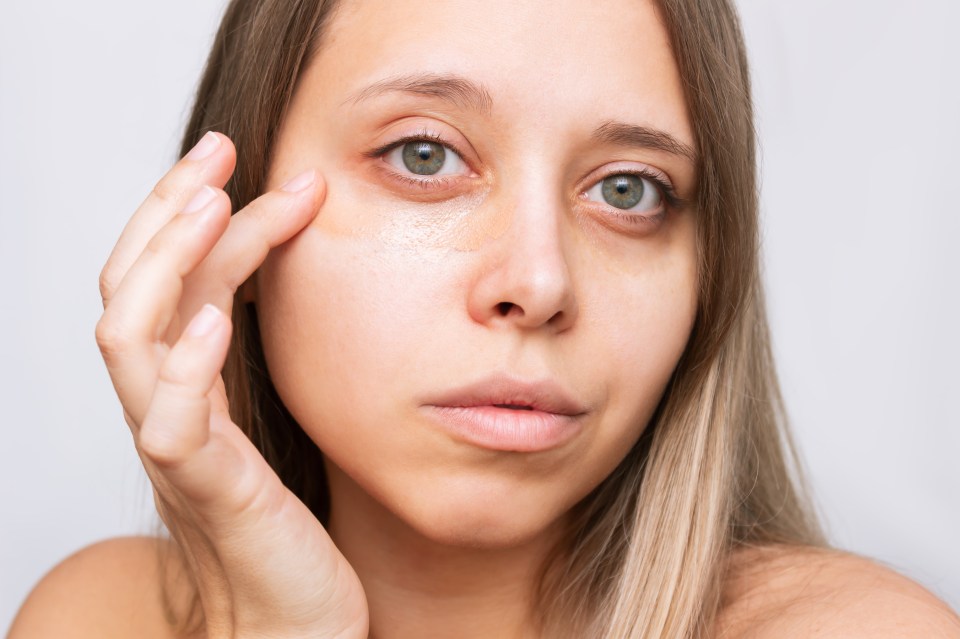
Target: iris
623	191
423	158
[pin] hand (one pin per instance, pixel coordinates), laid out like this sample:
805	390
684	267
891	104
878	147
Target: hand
263	564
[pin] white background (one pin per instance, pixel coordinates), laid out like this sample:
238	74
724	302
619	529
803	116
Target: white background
859	115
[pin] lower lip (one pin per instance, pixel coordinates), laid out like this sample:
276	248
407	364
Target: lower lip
505	428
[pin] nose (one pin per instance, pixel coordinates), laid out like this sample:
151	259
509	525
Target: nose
524	276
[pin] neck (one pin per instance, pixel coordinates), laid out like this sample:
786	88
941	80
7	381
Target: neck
418	587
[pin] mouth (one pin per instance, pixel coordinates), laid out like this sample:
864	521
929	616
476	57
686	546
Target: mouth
505	413
506	391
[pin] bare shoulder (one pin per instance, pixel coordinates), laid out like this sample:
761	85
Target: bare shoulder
785	592
112	588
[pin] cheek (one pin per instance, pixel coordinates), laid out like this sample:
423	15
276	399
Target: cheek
343	320
643	310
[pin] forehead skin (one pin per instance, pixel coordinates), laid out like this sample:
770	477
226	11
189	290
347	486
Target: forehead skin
583	64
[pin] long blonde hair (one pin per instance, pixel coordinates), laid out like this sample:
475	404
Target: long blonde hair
714	470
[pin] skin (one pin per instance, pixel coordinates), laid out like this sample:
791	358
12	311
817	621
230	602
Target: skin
387	280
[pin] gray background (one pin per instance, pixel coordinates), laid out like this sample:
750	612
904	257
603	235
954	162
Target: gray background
858	106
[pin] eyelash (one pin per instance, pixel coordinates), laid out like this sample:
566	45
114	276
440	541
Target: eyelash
668	193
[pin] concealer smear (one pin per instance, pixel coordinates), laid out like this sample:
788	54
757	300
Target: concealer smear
461	223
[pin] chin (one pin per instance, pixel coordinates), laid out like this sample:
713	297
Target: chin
449	505
477	530
474	514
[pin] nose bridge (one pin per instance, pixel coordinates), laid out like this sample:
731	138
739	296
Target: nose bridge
526	272
536	224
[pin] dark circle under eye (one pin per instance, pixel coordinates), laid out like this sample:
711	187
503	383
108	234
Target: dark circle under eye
423	158
623	191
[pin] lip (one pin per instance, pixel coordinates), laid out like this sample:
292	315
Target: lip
549	418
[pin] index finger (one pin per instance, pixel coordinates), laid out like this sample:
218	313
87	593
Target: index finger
210	162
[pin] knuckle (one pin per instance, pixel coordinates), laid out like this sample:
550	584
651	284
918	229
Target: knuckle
112	340
169	438
155	248
165	249
178	373
168	192
226	281
159	449
108	284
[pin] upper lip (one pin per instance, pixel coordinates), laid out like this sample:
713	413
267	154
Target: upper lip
542	395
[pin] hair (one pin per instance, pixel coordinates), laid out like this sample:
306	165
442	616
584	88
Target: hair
715	470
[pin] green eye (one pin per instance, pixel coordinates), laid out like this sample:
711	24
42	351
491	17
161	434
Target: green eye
423	158
627	191
622	191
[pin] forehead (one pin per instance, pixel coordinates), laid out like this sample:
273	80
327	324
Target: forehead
547	62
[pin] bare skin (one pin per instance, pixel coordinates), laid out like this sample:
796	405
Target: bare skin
796	593
514	263
112	590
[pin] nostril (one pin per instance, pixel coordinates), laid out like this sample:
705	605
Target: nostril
504	307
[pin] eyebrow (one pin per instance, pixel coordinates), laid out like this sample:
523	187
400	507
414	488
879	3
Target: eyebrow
623	134
455	89
472	96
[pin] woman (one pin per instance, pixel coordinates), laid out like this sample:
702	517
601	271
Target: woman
508	286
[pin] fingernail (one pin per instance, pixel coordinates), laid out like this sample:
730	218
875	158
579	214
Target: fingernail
204	148
203	197
204	322
300	182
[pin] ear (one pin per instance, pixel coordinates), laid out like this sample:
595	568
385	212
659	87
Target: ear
248	290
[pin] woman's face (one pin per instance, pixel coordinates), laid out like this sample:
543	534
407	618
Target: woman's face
502	243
